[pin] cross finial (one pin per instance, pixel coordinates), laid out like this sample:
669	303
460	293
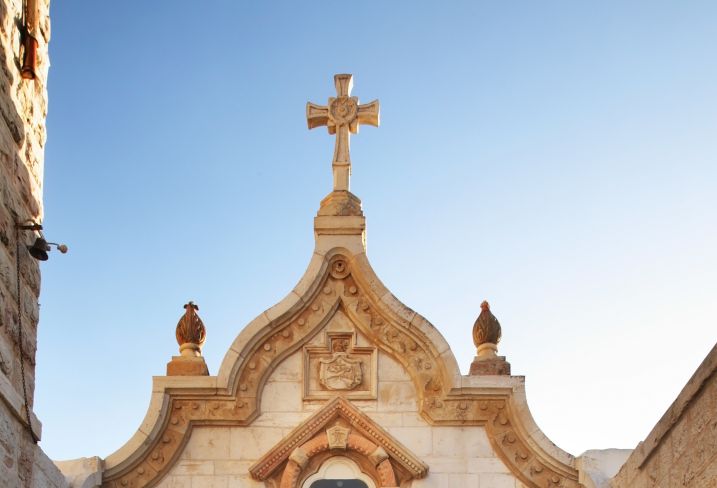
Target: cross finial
342	116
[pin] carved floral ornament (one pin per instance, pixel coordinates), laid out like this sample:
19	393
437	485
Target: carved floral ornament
347	284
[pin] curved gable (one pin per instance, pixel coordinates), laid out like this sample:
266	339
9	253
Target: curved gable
339	281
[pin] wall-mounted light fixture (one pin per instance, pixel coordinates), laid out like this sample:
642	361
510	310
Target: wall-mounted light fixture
40	247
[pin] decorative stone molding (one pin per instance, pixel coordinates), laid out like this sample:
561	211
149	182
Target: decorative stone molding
341	281
339	425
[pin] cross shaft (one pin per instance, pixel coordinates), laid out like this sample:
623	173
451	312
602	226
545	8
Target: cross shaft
342	116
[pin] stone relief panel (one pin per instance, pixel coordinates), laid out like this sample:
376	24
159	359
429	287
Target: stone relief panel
339	365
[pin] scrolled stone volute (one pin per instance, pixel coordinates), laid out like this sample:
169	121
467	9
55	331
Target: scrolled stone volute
191	332
486	329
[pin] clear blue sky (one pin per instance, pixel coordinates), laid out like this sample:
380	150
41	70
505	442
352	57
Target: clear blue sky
556	158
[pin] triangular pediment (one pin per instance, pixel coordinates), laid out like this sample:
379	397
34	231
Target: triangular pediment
338	420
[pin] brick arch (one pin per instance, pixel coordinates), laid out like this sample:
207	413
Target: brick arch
356	446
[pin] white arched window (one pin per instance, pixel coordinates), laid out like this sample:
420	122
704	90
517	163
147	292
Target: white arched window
339	472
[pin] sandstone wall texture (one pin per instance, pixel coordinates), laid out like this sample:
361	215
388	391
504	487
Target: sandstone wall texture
681	450
23	109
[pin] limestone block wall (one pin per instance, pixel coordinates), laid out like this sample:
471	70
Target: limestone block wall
681	450
220	457
23	109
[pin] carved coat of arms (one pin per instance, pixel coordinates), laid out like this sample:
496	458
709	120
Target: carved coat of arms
340	372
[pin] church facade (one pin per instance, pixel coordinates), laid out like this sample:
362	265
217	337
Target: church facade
338	385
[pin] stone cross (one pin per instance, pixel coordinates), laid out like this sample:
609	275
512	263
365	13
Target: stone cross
342	116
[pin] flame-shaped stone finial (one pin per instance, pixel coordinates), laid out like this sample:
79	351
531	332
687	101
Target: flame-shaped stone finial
191	332
486	336
191	335
486	328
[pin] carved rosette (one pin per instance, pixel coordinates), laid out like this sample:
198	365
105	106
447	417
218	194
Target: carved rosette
343	110
191	332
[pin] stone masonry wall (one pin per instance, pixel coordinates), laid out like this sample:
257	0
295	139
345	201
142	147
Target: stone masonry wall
23	109
681	450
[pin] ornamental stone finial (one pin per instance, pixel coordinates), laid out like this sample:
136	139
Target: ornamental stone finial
191	332
486	336
486	328
191	335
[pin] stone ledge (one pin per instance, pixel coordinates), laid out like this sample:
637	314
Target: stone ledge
339	225
17	406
